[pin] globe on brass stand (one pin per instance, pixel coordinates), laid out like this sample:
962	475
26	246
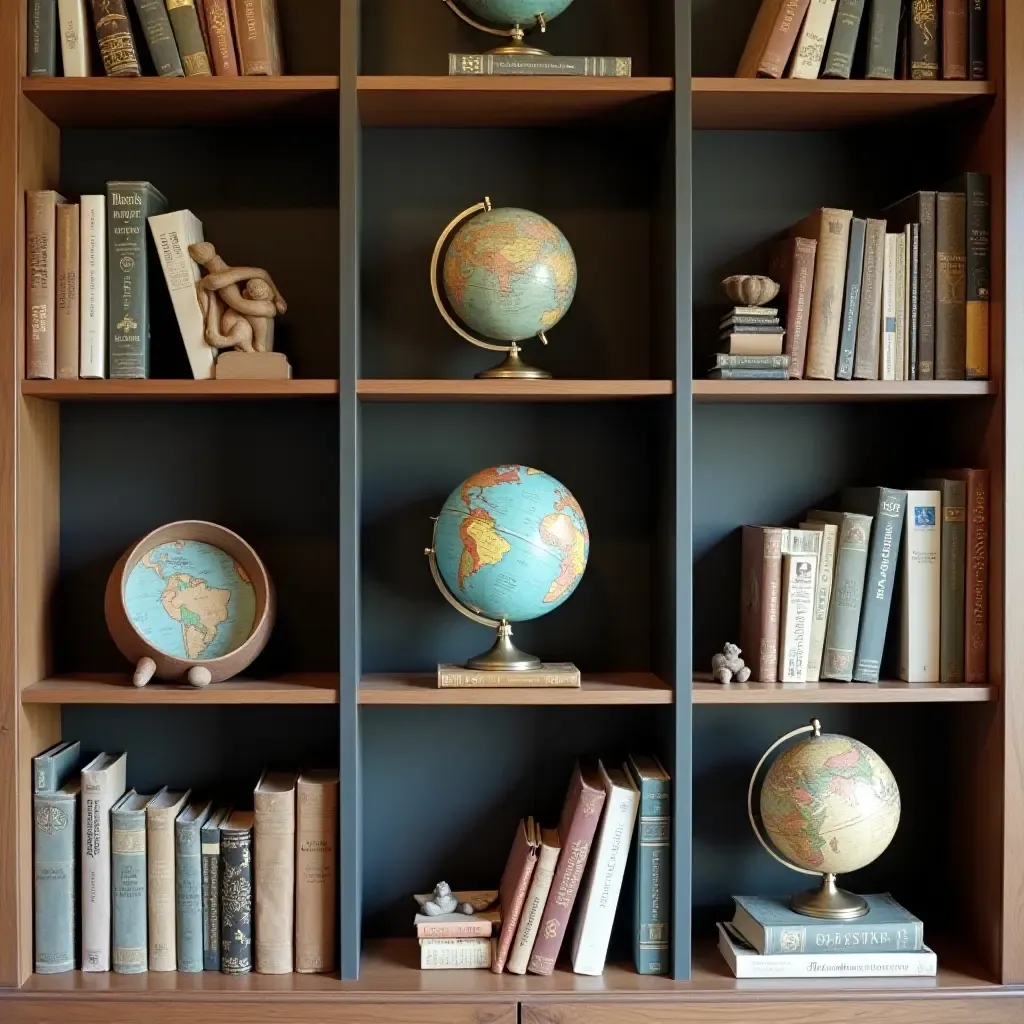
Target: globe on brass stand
517	15
829	805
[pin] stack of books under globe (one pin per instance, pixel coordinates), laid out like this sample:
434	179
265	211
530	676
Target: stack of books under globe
765	939
750	345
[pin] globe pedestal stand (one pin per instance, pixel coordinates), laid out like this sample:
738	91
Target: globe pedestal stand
517	48
504	656
512	367
829	902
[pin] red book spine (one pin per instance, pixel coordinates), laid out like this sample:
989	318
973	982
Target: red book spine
976	626
954	39
780	42
222	40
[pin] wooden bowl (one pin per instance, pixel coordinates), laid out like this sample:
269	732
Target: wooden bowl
750	289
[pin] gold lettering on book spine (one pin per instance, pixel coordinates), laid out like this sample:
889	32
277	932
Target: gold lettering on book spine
196	64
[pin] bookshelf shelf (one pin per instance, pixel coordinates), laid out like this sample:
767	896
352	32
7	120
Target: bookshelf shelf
304	688
598	688
182	102
436	101
175	390
779	104
708	391
510	390
885	692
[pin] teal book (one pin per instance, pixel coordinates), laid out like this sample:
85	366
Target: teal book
772	928
128	884
129	205
51	767
55	827
210	851
188	886
652	897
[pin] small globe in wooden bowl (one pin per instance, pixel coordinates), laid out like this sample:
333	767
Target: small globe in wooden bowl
190	601
750	289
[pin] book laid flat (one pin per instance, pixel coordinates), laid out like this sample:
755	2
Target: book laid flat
236	893
103	783
772	38
515	882
950	286
74	38
751	343
209	836
560	674
316	881
528	64
869	318
156	27
721	361
50	768
161	813
923	40
456	954
581	815
188	886
274	872
792	265
92	287
746	962
952	559
839	62
976	573
483	923
68	304
600	897
822	596
814	33
41	274
128	859
114	35
536	898
746	373
922	588
851	299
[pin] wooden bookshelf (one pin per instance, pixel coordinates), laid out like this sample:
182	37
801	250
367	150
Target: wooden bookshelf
175	390
308	688
510	390
885	692
787	391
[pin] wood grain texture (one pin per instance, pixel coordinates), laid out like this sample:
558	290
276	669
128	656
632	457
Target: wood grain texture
300	688
430	100
175	390
786	103
510	390
838	390
885	692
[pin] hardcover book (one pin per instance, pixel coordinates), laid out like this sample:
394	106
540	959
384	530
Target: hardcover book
950	286
536	898
68	304
74	38
116	42
923	39
810	47
760	599
977	40
128	862
55	823
274	872
546	64
316	882
161	813
723	362
839	63
746	373
772	38
50	768
92	287
792	265
751	343
258	36
188	34
188	886
796	611
209	836
156	26
922	588
515	881
42	38
822	596
553	674
976	187
891	289
851	299
952	593
456	954
236	893
954	39
41	246
883	38
221	37
976	573
869	318
483	923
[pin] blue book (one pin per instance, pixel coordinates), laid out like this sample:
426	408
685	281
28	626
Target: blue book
210	847
771	927
188	886
51	767
851	299
128	884
55	826
652	898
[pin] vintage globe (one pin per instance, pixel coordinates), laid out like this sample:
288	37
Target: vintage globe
506	13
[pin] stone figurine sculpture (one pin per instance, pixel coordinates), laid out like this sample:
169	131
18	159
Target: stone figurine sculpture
729	667
442	901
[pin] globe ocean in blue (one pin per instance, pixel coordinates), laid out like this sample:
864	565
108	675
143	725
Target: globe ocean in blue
506	13
511	543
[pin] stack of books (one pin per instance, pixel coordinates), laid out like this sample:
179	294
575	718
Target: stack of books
750	345
765	939
459	941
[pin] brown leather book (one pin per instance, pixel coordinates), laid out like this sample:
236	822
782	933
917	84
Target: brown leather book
67	291
41	275
954	39
515	882
222	40
760	591
975	573
831	228
792	265
316	882
869	318
258	36
950	286
782	39
274	872
114	35
577	827
760	33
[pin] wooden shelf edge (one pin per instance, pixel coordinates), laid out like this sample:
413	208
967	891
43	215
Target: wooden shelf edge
396	390
176	390
34	86
709	391
546	84
949	89
885	692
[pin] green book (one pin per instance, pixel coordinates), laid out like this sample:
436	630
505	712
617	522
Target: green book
952	578
541	64
42	37
156	26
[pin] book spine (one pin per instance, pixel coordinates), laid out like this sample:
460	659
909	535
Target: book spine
954	39
128	856
455	954
114	35
760	32
470	930
41	231
163	953
879	580
316	882
822	600
795	616
919	638
726	362
750	374
901	305
92	287
976	611
188	895
44	774
826	301
42	37
505	64
785	30
798	313
914	305
74	38
68	302
923	39
837	939
760	600
863	965
188	34
865	362
979	265
847	597
253	40
952	581
950	286
889	308
455	677
235	901
210	849
839	63
883	37
810	49
222	40
274	876
851	300
54	827
97	799
651	908
977	40
156	27
529	920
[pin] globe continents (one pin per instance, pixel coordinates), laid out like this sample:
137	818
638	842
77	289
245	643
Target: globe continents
506	13
190	600
509	274
830	804
511	543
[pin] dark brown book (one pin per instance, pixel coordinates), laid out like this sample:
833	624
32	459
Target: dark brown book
515	882
950	286
258	36
116	42
760	32
977	40
222	40
975	573
923	39
581	814
792	265
869	322
760	591
954	39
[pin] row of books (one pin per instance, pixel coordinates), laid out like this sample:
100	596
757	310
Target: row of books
816	600
169	882
88	282
919	39
606	811
183	37
765	939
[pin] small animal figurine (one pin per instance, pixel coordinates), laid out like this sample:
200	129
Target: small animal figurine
444	902
728	667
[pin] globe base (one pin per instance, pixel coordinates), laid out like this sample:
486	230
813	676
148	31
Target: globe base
512	367
504	656
518	50
829	902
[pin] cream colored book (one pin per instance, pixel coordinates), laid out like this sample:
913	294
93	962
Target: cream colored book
274	872
536	898
901	306
907	255
822	596
316	880
810	47
160	815
455	954
796	614
554	674
890	307
68	303
92	287
922	574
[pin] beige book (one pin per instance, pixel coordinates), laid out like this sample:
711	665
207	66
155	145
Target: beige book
455	954
316	880
810	48
67	291
536	899
890	307
160	815
922	588
822	596
274	872
901	306
41	281
548	675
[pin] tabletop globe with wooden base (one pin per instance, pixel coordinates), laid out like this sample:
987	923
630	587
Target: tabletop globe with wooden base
189	601
510	18
829	805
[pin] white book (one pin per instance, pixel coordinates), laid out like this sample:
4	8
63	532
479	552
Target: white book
455	954
901	306
607	868
74	38
536	900
173	233
907	252
92	287
888	347
810	47
796	614
822	596
922	572
745	962
103	784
